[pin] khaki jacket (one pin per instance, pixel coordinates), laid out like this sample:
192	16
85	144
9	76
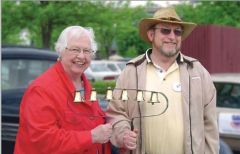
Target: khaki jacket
199	106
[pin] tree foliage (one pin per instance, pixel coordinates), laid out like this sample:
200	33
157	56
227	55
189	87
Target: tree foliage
115	23
112	23
224	13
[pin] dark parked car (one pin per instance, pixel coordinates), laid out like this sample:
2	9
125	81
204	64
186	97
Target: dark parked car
20	65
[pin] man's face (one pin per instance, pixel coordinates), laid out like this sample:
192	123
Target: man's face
76	58
166	38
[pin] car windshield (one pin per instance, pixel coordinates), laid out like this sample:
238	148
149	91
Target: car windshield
99	67
121	65
112	67
228	95
18	73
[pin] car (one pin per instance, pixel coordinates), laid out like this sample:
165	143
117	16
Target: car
99	71
115	66
20	66
228	108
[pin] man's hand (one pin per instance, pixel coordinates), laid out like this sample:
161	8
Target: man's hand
102	133
130	139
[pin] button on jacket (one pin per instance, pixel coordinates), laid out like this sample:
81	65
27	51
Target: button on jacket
51	123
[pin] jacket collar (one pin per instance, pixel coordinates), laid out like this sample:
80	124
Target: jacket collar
69	84
181	58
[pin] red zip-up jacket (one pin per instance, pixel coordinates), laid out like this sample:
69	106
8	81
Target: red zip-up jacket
51	123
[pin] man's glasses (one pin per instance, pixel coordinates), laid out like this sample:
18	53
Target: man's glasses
167	31
76	51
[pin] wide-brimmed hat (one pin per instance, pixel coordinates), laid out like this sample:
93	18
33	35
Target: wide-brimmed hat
164	15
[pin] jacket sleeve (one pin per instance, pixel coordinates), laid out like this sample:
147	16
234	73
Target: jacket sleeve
39	117
210	117
117	112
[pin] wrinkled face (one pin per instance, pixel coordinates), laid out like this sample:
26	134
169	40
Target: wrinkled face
77	55
166	38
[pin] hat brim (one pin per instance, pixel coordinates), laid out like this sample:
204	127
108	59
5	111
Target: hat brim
145	24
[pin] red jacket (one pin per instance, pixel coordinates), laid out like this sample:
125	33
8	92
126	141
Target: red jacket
51	123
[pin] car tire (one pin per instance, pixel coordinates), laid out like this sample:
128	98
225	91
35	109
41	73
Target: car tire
224	148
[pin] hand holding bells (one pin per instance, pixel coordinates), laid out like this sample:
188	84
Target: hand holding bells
154	97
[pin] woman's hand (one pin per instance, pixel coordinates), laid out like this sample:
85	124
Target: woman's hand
102	133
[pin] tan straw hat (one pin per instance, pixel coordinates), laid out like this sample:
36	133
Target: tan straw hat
165	15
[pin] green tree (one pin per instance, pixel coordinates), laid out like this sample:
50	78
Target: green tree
114	23
10	23
212	12
127	34
45	20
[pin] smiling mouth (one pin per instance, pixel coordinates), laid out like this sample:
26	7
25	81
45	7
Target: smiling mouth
170	44
79	63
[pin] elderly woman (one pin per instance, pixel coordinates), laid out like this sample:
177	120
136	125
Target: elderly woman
50	121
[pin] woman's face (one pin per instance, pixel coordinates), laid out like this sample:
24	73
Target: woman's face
77	55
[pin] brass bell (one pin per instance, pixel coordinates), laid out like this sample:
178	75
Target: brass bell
124	95
154	98
93	96
109	95
77	97
140	96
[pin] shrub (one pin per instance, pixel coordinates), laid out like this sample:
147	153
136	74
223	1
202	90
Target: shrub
101	86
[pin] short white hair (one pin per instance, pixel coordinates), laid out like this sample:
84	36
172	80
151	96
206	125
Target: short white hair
75	31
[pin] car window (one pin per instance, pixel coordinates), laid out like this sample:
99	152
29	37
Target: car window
18	73
228	95
100	67
121	65
112	67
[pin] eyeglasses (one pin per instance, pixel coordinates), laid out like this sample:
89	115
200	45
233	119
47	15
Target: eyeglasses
76	51
167	31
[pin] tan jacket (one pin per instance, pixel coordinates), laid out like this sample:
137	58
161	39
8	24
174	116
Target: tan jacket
199	106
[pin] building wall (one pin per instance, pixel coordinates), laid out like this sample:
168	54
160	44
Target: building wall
216	47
